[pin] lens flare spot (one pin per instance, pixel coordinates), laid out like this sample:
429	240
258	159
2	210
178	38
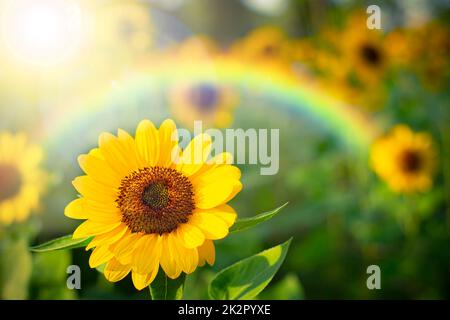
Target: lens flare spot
41	32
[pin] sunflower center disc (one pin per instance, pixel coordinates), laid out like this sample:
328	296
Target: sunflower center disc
10	181
155	200
156	195
205	97
411	161
371	55
270	50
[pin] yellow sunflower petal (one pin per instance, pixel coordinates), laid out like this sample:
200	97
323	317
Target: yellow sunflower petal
224	212
224	158
99	170
187	258
95	152
115	154
195	154
142	281
103	216
115	271
168	140
206	252
147	143
91	189
217	174
99	256
212	226
101	211
237	187
168	261
75	210
108	238
189	235
84	209
130	147
221	158
214	194
124	248
90	228
147	253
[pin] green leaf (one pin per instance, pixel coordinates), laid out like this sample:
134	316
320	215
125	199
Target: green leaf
65	242
246	223
247	278
164	288
288	288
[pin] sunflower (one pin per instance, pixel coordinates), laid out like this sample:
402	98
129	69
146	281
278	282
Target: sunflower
364	50
150	204
348	64
207	101
317	58
264	45
22	182
399	44
319	62
430	45
404	159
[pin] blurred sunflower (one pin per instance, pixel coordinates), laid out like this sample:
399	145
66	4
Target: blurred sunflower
352	70
425	50
431	46
398	44
303	52
123	25
266	44
404	159
209	102
149	204
22	182
364	50
319	61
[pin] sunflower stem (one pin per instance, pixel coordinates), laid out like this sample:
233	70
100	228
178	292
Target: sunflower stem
165	288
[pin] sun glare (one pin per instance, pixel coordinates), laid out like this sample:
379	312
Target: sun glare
42	32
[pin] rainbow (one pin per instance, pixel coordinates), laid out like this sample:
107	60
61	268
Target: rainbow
347	123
